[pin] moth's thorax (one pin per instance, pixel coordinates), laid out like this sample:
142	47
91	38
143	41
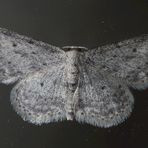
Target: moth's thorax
72	68
73	54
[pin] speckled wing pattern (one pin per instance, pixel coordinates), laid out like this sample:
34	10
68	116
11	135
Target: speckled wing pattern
127	60
35	98
91	86
104	101
20	55
40	97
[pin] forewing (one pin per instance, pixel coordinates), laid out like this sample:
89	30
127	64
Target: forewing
40	97
127	59
20	55
103	101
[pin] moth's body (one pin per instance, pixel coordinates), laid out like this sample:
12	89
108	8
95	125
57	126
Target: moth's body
72	77
55	84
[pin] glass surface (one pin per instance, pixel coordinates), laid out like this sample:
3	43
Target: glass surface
89	23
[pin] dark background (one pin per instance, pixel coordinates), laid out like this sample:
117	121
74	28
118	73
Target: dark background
87	23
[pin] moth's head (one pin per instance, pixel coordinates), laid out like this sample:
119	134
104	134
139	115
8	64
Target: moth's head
77	48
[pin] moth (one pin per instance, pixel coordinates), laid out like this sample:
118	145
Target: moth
73	82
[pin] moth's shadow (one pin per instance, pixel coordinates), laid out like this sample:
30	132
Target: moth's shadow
131	133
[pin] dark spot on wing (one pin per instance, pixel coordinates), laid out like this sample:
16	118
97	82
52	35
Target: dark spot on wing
33	52
14	44
134	50
30	41
45	64
42	84
146	63
114	56
103	87
103	66
119	86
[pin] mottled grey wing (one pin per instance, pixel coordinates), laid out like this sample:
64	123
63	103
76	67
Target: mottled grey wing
103	100
127	59
20	55
40	97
